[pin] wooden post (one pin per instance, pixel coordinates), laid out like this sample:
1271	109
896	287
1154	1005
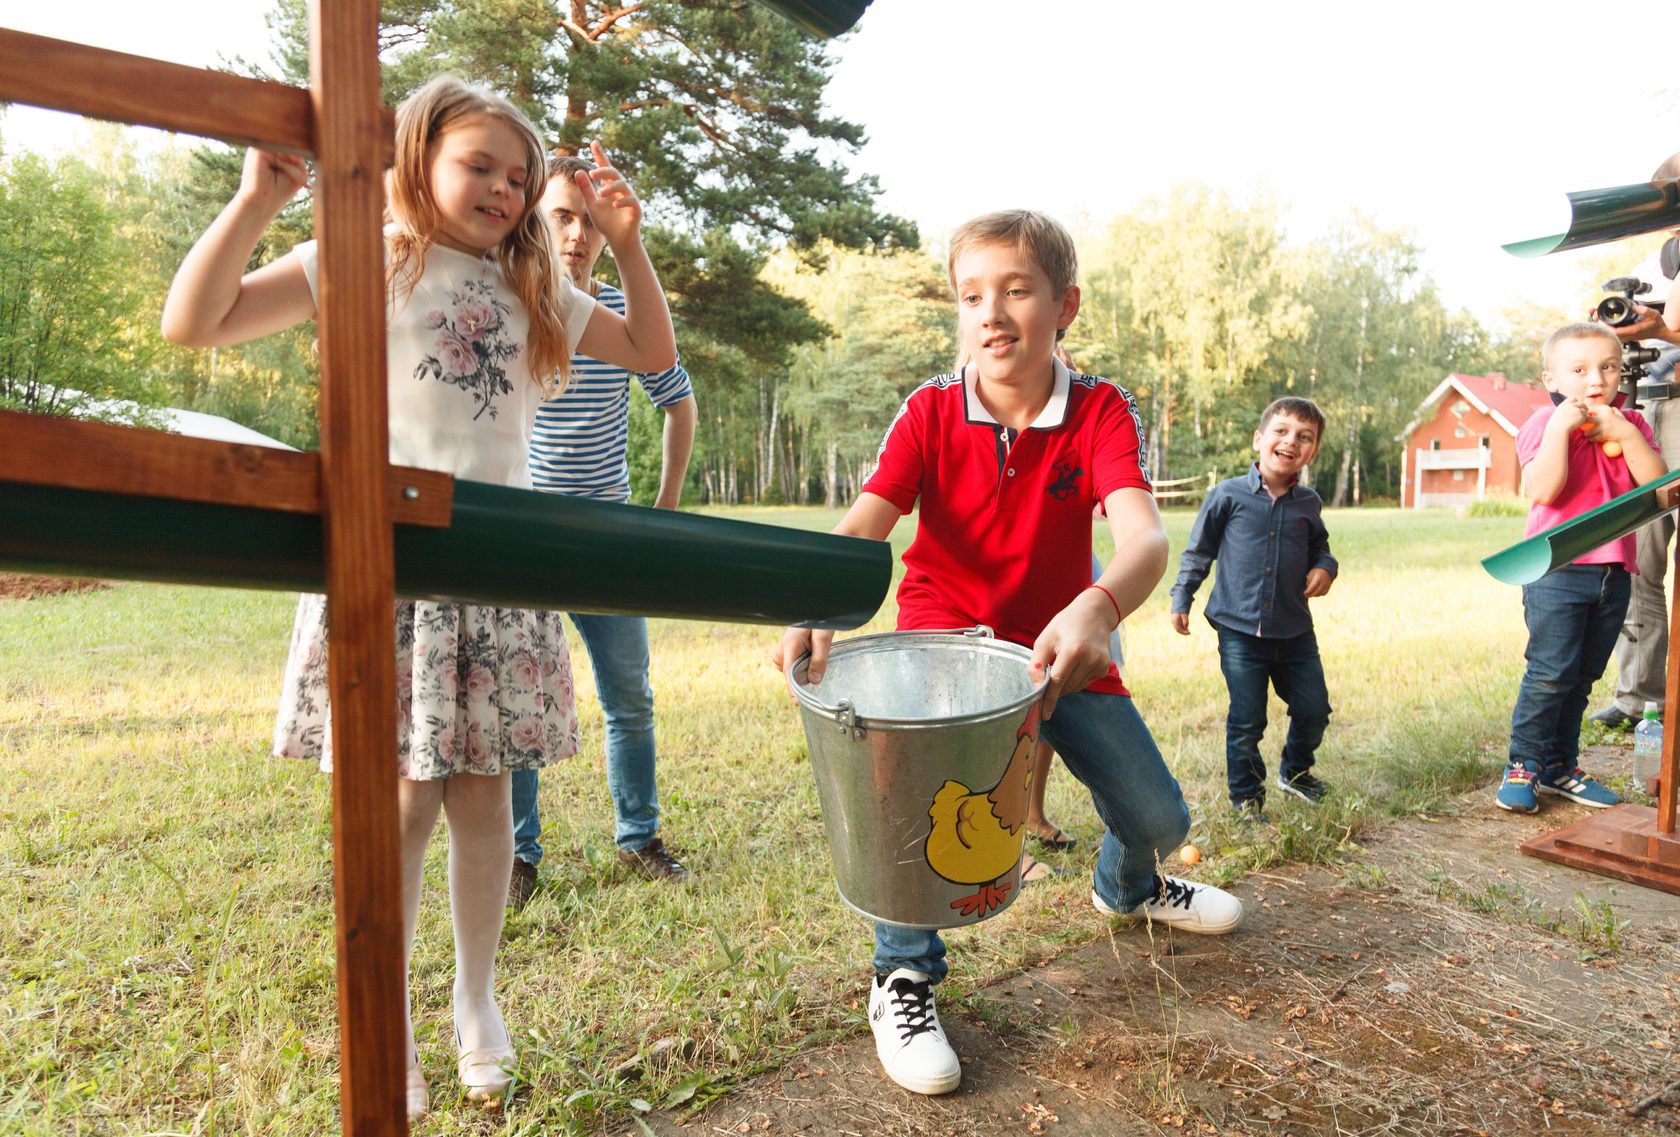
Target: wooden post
1667	789
1632	842
356	515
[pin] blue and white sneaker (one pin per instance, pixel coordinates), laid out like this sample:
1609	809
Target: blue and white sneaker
1577	785
1516	793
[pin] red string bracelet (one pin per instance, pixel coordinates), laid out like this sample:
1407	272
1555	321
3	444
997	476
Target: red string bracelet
1118	618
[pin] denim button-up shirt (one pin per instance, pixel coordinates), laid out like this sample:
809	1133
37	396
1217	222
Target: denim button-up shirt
1265	548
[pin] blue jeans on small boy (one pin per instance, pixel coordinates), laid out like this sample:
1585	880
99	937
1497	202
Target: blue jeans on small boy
1251	665
1574	616
618	655
1104	743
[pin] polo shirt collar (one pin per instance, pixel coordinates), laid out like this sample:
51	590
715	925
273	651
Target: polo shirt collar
1053	414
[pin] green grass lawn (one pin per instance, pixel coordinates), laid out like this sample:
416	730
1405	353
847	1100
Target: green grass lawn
165	885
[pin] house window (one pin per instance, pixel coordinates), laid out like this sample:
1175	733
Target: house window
1460	432
1458	475
1434	443
1487	442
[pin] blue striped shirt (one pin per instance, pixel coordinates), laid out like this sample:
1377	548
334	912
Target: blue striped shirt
579	444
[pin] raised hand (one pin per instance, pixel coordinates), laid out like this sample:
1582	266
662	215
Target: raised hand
270	179
612	204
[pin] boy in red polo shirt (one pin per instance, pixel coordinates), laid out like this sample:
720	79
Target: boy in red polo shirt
1006	459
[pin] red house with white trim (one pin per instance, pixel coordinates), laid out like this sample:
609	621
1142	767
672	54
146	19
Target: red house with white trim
1461	445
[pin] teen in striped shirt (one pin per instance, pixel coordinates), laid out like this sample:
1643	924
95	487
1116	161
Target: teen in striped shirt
578	448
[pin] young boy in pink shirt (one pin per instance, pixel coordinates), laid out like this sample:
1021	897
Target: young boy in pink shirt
1576	456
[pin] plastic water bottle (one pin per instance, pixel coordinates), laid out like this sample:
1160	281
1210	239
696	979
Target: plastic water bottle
1647	745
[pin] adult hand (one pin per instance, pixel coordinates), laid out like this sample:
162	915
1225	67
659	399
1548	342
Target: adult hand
1647	324
1181	623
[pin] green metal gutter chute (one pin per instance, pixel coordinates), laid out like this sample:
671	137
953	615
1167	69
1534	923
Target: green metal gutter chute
1600	215
509	547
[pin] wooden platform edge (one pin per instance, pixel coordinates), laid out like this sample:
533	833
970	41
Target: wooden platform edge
1617	843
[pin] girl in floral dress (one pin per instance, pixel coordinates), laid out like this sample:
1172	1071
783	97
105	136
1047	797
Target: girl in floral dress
481	326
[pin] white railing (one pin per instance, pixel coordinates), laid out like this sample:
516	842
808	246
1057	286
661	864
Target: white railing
1186	487
1462	458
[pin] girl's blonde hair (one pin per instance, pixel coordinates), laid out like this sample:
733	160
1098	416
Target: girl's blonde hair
526	257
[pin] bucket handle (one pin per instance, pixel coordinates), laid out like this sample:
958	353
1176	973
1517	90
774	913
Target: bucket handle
845	714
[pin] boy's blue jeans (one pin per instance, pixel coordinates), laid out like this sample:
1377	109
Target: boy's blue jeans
1574	616
1250	664
1106	745
618	655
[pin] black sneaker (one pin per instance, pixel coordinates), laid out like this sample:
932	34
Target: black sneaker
1304	786
653	861
1251	811
522	885
1613	718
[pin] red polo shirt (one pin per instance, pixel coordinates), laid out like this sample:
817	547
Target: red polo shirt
1004	532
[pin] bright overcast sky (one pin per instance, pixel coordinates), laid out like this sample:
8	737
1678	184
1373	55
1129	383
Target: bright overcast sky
1449	119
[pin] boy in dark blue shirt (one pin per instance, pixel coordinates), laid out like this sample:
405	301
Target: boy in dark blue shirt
1267	532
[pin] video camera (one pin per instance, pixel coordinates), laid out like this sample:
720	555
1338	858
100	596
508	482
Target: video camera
1617	311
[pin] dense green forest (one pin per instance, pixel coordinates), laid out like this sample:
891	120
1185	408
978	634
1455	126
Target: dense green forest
804	312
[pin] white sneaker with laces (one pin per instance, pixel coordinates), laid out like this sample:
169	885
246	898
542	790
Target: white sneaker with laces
1186	904
908	1038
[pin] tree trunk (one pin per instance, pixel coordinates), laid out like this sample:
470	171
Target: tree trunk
1343	479
765	449
1162	464
1343	476
831	475
786	471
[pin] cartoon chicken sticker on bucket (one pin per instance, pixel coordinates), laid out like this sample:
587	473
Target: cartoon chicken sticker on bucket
977	834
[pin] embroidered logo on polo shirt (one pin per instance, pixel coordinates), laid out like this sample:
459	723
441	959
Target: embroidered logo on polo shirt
1067	480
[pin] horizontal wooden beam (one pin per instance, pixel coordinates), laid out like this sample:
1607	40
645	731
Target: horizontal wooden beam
59	75
43	451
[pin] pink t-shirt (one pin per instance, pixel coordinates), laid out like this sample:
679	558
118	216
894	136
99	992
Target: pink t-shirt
1593	479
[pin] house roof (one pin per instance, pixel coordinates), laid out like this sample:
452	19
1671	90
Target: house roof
193	424
1508	404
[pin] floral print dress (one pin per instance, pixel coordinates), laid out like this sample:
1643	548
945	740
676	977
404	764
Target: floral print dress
480	689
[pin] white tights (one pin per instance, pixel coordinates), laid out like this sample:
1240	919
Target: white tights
480	815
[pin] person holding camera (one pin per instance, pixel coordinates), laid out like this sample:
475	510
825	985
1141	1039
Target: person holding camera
1642	648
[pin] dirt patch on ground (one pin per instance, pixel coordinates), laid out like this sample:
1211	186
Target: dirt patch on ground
14	586
1443	985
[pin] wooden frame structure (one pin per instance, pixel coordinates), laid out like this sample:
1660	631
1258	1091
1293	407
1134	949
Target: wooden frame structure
340	122
1634	843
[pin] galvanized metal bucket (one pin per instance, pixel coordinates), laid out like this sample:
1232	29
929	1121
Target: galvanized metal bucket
922	748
